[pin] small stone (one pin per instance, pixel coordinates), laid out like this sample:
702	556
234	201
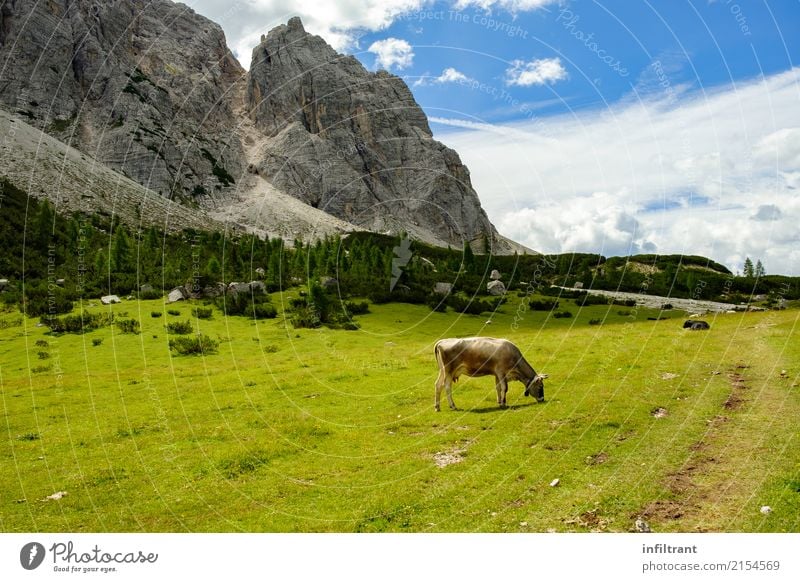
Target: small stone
56	496
555	482
766	509
642	526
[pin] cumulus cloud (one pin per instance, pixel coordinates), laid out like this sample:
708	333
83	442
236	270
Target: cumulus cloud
392	53
767	212
512	6
449	75
339	23
692	170
536	72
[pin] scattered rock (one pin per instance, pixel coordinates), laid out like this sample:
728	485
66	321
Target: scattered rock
495	276
555	482
175	295
642	526
495	288
766	509
597	459
668	376
659	412
445	458
109	299
55	496
443	288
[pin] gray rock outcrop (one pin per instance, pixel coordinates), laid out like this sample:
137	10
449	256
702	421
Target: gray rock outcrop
149	88
140	85
355	143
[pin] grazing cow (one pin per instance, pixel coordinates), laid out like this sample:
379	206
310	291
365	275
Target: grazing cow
695	324
484	356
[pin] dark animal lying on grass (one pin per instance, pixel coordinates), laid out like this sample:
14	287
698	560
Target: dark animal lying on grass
484	356
695	324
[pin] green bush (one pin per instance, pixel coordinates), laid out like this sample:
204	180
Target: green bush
356	308
156	314
562	314
180	327
264	311
42	343
591	300
542	305
595	321
202	313
78	323
149	295
197	345
128	326
97	341
43	355
173	312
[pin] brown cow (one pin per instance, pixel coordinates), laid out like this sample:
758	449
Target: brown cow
484	356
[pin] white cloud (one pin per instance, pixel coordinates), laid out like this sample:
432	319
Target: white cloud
449	75
536	72
512	6
392	53
339	23
685	173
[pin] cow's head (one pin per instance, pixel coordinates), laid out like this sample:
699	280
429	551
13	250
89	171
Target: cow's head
535	387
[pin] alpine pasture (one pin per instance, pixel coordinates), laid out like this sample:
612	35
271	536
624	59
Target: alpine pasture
320	430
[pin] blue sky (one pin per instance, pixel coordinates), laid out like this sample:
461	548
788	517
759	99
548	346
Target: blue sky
614	127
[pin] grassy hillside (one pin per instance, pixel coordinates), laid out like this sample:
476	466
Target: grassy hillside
333	430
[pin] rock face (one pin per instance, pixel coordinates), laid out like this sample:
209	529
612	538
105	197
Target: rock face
139	85
150	89
354	143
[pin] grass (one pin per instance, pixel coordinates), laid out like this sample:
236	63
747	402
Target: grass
333	430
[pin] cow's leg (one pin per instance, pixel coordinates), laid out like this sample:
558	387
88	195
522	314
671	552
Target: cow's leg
448	385
438	394
502	389
498	386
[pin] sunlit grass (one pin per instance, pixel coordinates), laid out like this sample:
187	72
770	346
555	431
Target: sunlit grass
289	429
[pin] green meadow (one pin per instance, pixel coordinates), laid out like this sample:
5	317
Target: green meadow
323	430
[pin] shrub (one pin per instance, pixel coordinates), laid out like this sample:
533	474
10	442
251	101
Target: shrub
42	343
97	341
202	313
78	323
264	311
152	294
562	314
624	302
174	312
156	314
180	327
128	326
198	345
542	305
43	355
595	321
270	349
591	300
356	308
667	307
623	313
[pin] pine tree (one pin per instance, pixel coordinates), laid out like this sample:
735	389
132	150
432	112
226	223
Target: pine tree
760	269
121	251
748	268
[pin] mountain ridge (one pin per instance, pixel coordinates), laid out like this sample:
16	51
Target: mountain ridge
307	143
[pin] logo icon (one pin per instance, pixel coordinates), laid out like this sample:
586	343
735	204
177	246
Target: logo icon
31	555
402	255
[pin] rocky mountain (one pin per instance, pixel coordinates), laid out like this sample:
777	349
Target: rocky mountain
140	85
306	143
